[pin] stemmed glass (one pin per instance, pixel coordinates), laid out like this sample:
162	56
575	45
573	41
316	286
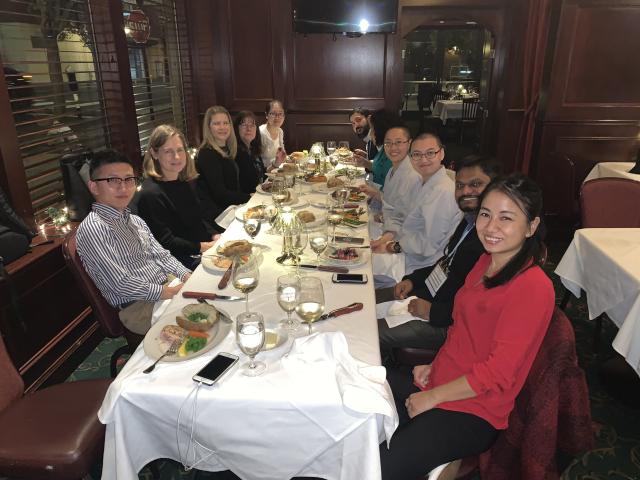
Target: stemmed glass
288	292
252	225
245	275
343	144
270	215
250	337
334	218
331	147
318	239
295	239
341	195
310	300
278	191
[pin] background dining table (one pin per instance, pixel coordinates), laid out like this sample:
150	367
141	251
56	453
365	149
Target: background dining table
321	408
605	264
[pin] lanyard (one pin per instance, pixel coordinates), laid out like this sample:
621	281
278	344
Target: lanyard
446	261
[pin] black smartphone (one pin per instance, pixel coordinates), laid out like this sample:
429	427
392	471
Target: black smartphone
349	278
216	368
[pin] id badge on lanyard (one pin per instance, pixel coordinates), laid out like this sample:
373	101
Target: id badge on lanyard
437	277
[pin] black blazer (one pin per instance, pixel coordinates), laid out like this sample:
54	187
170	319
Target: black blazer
463	261
251	170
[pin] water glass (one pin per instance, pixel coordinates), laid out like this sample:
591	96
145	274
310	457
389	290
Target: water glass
250	336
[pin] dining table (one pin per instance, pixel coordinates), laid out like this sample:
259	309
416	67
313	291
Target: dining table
321	408
447	109
612	169
605	264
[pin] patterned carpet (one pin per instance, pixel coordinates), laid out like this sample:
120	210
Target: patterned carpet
616	426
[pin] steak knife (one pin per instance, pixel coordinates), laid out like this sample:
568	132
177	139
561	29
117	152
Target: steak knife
354	307
211	296
325	268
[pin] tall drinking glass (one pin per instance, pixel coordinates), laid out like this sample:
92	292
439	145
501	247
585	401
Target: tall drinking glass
334	218
288	292
250	337
311	300
318	240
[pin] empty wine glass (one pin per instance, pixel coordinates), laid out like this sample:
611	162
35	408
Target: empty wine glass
331	147
310	300
341	195
245	275
288	291
318	240
252	227
250	337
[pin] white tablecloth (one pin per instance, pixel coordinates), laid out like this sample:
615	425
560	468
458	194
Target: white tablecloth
322	416
446	109
613	169
605	263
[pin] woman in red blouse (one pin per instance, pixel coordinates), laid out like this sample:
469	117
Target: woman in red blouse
454	407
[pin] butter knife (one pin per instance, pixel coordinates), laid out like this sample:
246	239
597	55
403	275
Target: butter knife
354	307
358	240
225	278
211	296
325	268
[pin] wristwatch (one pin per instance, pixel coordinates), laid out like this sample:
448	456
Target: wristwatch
395	247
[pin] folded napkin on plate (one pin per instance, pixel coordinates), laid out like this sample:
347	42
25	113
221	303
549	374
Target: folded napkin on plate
321	363
161	305
396	312
227	216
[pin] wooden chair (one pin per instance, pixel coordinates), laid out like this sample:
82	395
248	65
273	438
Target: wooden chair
50	434
608	203
105	314
469	114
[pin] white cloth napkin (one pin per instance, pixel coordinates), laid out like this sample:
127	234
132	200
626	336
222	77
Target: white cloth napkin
321	363
161	305
227	216
396	312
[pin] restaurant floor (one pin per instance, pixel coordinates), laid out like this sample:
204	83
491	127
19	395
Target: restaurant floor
616	426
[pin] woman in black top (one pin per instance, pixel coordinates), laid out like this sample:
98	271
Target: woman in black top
167	201
252	170
218	185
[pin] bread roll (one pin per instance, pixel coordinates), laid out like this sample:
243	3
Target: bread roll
334	182
236	247
306	216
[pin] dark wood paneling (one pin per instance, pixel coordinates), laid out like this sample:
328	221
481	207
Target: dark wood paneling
596	74
585	143
309	128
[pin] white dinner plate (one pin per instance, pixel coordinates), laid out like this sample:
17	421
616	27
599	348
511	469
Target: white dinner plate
154	347
208	262
363	256
242	210
260	190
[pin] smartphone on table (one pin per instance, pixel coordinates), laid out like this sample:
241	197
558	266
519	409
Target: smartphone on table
217	368
350	278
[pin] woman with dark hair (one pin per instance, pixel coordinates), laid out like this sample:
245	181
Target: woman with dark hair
218	185
252	171
455	407
167	200
273	151
380	122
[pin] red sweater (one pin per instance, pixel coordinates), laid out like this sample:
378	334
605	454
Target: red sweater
494	339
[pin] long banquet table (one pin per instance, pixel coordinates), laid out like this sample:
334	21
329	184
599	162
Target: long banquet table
317	411
605	263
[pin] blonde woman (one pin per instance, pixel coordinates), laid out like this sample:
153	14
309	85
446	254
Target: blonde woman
167	200
218	185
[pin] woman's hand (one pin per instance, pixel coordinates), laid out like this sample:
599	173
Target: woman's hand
204	246
420	402
281	157
421	375
420	308
403	289
216	236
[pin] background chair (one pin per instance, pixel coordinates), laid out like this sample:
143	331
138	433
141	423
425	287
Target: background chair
105	314
607	203
469	115
75	176
50	434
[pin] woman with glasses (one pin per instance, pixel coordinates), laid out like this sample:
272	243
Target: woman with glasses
252	170
218	185
455	407
401	186
167	201
272	135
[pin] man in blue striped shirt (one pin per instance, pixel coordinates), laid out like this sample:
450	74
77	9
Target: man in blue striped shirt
117	249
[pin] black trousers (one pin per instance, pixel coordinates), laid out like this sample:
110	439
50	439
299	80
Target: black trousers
430	439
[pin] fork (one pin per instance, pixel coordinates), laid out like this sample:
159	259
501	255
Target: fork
173	348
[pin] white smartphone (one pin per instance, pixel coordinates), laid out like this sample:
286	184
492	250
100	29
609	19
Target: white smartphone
349	278
217	368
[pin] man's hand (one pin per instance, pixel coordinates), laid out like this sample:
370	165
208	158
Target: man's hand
421	375
420	308
361	159
370	191
420	402
170	292
402	289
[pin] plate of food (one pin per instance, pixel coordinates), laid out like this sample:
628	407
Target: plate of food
331	183
312	219
265	187
355	195
200	327
244	213
347	256
219	263
354	217
360	171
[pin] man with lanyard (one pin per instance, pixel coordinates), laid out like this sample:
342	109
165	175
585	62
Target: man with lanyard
117	249
436	285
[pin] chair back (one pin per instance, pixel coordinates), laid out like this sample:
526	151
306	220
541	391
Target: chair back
469	109
12	386
75	176
105	314
610	203
440	95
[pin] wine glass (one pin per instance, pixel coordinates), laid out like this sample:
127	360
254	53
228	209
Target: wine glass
278	191
341	195
331	147
334	217
252	227
250	337
343	144
288	291
318	240
310	300
298	244
245	275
